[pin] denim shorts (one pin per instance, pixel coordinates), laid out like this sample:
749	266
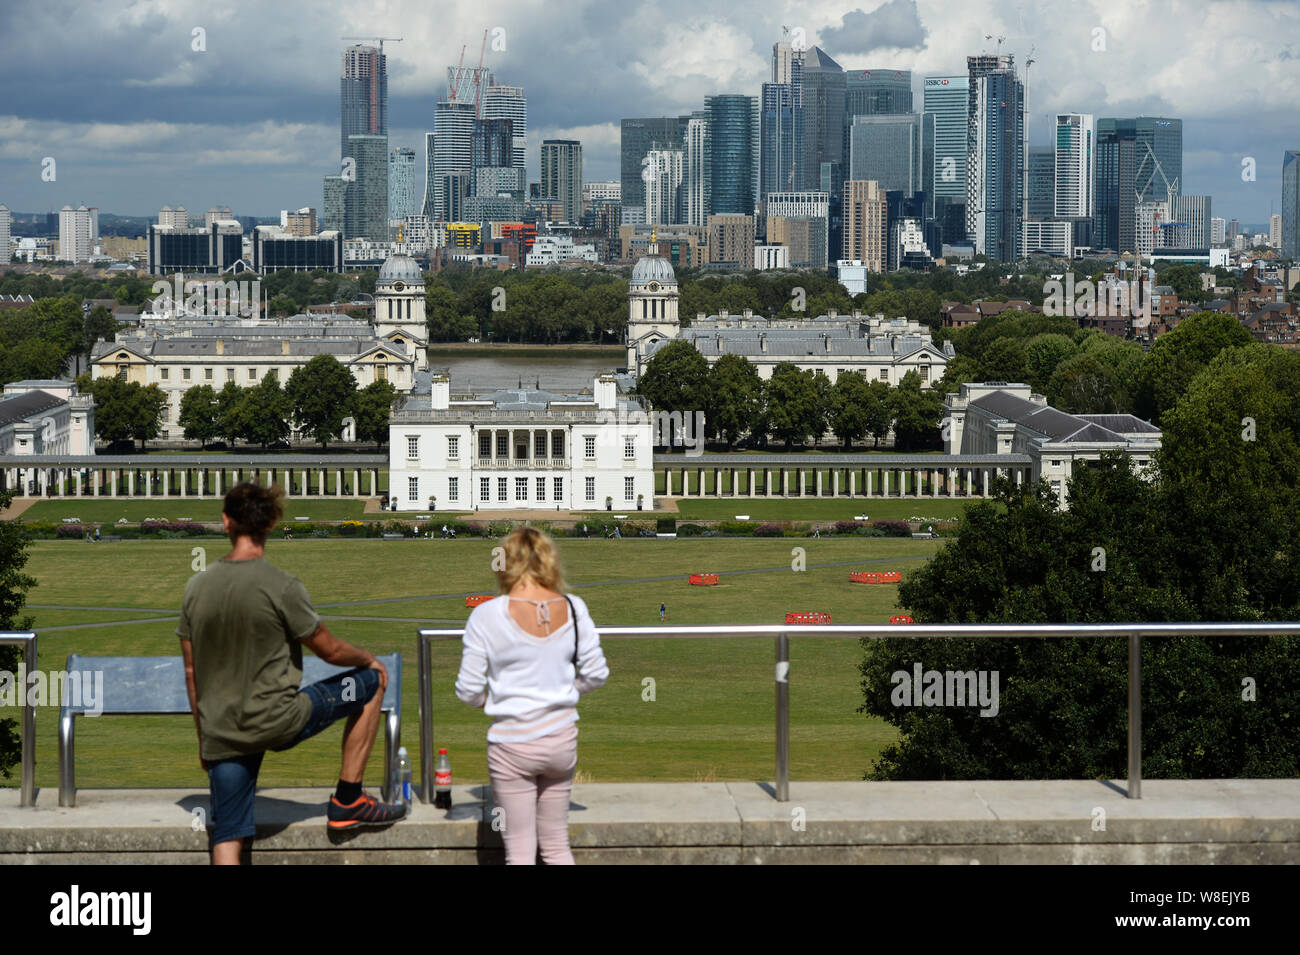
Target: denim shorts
232	781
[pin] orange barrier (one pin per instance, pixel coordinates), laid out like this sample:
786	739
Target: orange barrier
703	580
901	618
813	616
875	576
473	600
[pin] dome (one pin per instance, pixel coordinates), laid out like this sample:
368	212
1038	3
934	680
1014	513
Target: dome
653	268
400	268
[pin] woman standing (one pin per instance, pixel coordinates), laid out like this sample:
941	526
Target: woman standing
526	663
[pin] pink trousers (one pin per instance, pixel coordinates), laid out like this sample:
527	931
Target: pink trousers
531	782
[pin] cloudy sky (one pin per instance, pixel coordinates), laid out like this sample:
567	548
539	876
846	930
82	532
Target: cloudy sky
135	117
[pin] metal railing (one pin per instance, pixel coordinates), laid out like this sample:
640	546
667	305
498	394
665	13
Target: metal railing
27	772
1134	632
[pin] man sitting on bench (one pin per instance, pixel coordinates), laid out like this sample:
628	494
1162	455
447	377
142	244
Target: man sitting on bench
243	623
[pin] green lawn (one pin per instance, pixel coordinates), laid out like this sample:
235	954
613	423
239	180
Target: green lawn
207	510
817	509
713	713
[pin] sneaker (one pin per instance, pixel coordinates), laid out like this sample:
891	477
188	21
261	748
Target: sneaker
366	811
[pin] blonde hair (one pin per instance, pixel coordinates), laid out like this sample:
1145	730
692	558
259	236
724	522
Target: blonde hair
530	553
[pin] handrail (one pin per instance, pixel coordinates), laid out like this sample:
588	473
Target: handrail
27	773
1135	632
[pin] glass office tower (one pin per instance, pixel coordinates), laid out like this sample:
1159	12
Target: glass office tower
733	129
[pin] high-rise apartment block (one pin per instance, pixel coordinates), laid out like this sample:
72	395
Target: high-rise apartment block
561	176
864	224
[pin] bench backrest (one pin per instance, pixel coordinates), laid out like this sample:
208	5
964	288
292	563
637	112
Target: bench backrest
156	685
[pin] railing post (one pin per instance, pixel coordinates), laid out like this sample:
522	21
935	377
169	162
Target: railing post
782	717
1134	716
424	657
28	795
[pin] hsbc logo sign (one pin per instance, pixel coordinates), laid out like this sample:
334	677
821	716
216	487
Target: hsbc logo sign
936	82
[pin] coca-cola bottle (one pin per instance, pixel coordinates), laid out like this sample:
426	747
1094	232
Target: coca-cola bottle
442	781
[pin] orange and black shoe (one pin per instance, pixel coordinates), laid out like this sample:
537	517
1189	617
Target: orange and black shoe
366	811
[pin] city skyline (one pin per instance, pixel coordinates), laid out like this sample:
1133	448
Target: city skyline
169	111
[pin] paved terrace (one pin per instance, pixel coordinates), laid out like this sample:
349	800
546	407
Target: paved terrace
987	822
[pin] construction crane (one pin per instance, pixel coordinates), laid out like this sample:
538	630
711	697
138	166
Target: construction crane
457	76
381	39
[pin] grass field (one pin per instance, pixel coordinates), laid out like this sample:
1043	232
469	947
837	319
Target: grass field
205	510
816	509
712	718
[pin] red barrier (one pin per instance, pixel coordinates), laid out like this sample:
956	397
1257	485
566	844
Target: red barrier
875	576
703	580
901	618
810	616
473	600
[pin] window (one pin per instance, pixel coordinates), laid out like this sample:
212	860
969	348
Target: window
485	489
539	444
628	487
591	488
589	445
521	489
453	489
541	489
413	489
185	373
381	372
557	489
557	444
252	374
230	374
121	372
485	444
453	446
165	372
412	447
166	413
501	489
1056	463
503	444
884	374
629	448
925	372
207	374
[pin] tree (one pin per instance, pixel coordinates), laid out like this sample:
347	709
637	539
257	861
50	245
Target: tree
322	392
147	405
1177	357
31	358
374	407
1043	354
959	370
794	404
198	415
880	411
442	312
916	415
99	324
1083	385
229	417
14	585
124	409
264	411
850	404
1004	360
676	379
734	400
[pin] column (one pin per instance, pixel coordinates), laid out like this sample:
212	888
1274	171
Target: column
870	477
167	482
934	482
767	482
817	482
94	482
835	482
785	483
356	482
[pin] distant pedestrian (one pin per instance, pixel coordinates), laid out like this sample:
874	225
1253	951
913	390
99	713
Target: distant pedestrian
817	530
663	612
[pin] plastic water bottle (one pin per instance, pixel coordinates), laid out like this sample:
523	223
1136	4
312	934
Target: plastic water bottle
402	791
442	781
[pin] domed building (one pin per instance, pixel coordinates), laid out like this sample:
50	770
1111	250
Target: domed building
652	298
399	307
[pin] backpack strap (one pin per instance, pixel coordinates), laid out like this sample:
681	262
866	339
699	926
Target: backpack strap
573	617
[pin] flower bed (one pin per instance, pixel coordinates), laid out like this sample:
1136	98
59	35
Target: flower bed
807	616
875	576
703	580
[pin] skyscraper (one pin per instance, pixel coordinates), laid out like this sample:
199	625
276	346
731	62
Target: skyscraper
561	178
1291	204
1042	182
864	224
509	102
636	138
363	94
1189	222
1138	159
733	131
452	152
887	150
944	98
332	206
780	136
76	234
6	253
401	183
365	196
698	171
822	93
877	93
1076	166
492	144
663	174
996	159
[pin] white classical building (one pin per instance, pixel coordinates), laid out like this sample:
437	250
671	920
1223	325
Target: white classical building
520	448
997	417
882	349
41	417
176	347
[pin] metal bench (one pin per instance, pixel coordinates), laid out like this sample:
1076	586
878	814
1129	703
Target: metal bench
147	686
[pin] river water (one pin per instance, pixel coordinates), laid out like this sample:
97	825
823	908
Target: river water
560	374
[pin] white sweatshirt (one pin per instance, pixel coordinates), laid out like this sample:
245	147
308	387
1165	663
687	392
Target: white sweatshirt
526	683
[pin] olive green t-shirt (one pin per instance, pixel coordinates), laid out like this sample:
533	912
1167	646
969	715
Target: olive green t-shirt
244	620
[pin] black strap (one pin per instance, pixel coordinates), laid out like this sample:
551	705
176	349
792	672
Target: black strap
573	618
